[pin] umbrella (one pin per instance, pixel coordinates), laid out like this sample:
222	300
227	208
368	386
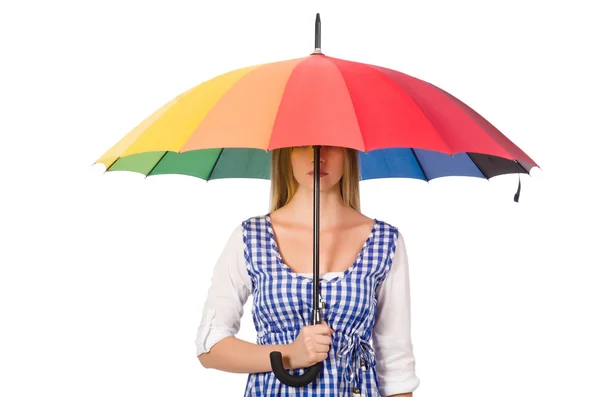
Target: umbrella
402	127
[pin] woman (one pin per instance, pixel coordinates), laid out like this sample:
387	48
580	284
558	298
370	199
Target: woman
364	342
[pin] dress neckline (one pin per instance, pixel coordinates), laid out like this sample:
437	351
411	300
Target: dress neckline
301	276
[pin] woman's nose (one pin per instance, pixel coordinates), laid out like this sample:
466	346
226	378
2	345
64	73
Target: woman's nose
322	154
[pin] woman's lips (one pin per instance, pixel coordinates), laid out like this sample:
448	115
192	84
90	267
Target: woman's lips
322	173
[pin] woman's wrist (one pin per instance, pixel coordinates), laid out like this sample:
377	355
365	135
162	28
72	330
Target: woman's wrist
287	355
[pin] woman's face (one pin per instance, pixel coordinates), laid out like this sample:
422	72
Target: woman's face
332	166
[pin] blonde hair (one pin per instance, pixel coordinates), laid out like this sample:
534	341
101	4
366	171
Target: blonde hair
284	185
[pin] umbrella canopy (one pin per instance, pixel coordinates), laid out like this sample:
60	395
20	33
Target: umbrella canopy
225	126
403	127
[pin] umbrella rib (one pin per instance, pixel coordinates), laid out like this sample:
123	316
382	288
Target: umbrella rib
364	149
524	169
285	87
480	170
407	93
111	164
501	140
419	164
215	164
154	166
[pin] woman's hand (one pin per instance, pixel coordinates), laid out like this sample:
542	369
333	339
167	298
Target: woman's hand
310	346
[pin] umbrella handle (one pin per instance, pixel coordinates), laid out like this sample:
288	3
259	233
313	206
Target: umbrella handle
291	380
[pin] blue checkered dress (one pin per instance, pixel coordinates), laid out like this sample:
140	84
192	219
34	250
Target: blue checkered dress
283	302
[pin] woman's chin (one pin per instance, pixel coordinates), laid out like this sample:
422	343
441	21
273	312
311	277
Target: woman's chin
324	185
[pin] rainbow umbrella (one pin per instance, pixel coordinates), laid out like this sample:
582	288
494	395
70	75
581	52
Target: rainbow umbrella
402	127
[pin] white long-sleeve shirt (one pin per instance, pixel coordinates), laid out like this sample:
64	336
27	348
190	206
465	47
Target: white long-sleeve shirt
231	287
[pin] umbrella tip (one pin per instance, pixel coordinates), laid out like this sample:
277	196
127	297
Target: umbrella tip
318	35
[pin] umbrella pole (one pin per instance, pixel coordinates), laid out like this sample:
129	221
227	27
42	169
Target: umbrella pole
276	358
316	309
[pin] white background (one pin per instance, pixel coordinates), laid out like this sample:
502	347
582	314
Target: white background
104	275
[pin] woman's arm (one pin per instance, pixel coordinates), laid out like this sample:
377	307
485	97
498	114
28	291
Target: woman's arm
392	330
216	345
234	355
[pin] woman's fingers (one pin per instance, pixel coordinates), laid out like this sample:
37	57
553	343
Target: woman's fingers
323	339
